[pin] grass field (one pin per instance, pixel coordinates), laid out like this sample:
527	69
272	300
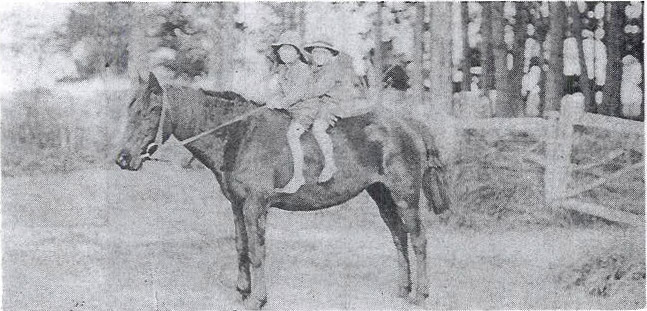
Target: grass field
162	239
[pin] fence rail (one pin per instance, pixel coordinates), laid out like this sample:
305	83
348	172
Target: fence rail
557	130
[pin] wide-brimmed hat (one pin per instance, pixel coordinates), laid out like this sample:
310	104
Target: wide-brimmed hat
321	44
291	38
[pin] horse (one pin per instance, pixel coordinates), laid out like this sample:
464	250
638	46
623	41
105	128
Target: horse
245	146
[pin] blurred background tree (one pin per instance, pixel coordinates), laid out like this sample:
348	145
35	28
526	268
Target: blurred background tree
507	59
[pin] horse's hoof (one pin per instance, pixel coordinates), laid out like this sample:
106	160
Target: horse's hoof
244	293
403	292
420	299
253	303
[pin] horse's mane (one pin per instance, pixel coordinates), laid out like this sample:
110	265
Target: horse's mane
228	95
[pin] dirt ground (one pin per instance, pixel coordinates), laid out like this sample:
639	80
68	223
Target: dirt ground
162	239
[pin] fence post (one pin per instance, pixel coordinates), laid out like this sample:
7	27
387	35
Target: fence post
559	148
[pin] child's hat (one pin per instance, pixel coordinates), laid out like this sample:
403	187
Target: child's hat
289	37
321	44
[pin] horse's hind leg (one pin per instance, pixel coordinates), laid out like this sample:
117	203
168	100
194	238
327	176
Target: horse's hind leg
406	200
388	210
419	242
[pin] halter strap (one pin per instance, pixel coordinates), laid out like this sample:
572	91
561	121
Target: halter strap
159	137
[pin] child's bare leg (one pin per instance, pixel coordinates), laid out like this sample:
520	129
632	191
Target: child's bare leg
295	130
325	143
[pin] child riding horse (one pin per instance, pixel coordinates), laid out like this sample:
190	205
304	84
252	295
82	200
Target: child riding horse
295	94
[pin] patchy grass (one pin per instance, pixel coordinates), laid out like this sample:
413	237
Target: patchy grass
616	270
162	238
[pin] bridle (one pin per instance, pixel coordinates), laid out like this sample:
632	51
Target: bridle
159	136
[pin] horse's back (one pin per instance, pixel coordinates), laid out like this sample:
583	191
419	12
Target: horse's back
361	144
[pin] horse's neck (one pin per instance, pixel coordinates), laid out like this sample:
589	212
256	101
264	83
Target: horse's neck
189	117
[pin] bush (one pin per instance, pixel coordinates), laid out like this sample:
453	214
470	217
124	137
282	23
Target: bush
491	182
45	130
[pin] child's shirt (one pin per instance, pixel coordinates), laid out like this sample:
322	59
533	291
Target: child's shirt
338	82
294	82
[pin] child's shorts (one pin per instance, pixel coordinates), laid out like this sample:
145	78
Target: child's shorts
307	111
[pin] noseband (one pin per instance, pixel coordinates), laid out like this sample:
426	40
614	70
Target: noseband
159	137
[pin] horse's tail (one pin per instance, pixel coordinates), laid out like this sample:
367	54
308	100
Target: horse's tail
434	181
434	185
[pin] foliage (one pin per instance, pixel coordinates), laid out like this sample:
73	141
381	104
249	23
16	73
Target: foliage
40	134
97	36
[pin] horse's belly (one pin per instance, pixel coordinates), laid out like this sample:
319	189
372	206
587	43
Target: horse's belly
315	197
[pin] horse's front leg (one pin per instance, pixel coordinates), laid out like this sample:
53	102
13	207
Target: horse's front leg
255	215
243	285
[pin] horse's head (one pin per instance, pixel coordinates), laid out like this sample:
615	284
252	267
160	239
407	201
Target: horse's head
144	114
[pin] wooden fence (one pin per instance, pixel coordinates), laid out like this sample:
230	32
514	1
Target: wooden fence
557	130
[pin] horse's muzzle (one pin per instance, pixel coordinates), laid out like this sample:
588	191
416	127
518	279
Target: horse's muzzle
123	159
126	161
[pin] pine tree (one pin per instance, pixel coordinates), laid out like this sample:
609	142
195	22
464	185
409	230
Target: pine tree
416	76
500	60
585	83
440	55
487	56
465	65
615	16
555	43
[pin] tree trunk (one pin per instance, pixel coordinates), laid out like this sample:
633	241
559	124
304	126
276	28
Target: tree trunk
500	61
540	35
515	102
487	56
585	83
555	42
465	67
378	60
440	55
611	104
416	73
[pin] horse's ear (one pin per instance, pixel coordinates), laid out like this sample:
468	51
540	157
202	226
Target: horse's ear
140	80
153	84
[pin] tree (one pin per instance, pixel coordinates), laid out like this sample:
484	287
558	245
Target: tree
98	34
378	59
440	55
500	52
555	45
541	28
416	76
515	104
615	16
465	65
487	55
585	83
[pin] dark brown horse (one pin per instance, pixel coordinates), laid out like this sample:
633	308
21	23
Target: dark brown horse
391	158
